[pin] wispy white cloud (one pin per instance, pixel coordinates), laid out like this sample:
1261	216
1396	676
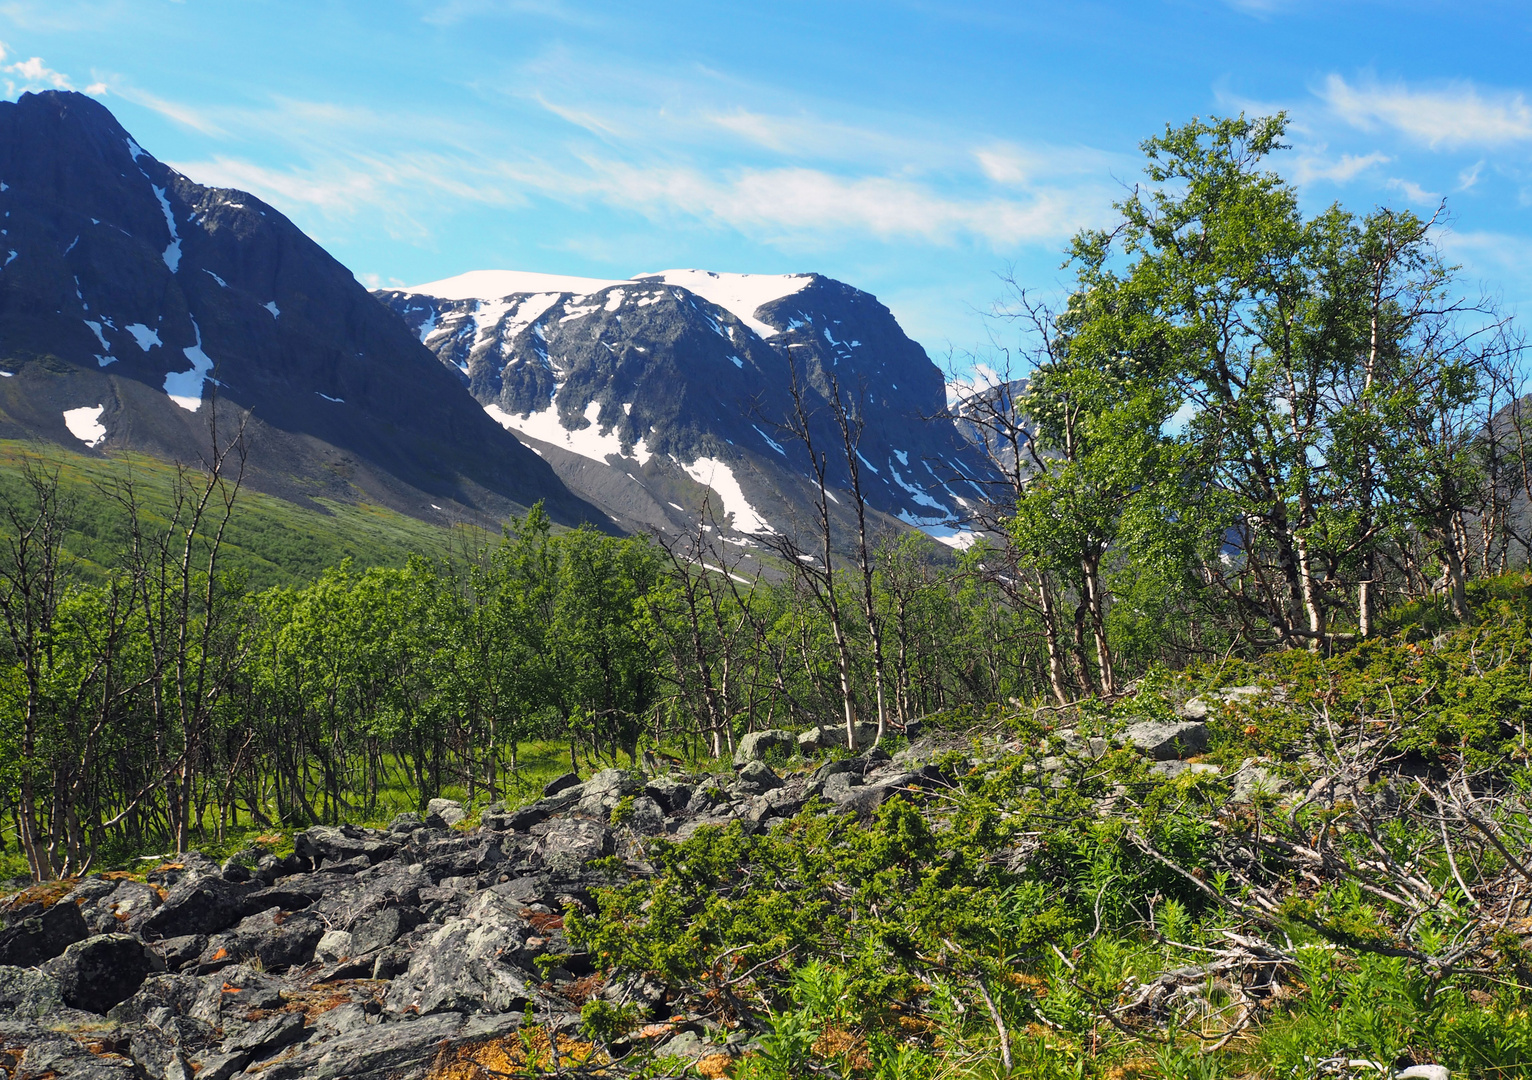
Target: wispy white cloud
1469	177
1456	115
1413	191
343	186
455	12
1309	167
778	204
185	115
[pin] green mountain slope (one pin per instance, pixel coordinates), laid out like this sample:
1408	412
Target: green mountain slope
274	541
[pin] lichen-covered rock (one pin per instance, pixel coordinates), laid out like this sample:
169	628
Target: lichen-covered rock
97	973
41	937
756	778
469	964
1167	742
449	810
772	744
27	994
567	845
198	905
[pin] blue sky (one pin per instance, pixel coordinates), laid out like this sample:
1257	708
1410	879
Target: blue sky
916	149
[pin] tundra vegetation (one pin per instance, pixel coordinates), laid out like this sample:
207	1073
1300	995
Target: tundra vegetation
1209	759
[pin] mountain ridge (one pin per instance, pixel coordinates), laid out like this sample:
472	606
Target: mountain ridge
645	393
137	306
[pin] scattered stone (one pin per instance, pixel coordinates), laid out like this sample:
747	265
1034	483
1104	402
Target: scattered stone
756	778
1169	770
1253	780
333	947
568	780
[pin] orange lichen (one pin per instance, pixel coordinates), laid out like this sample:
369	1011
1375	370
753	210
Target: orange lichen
714	1066
543	921
525	1053
46	893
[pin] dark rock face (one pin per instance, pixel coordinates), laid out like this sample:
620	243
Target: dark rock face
126	285
35	938
644	393
198	906
100	971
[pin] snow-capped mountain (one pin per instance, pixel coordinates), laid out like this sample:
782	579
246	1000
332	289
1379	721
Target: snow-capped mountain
133	302
645	394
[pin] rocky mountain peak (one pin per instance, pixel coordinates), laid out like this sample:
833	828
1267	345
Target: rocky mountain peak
131	297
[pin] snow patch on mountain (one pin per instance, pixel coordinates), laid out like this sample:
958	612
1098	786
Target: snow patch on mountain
145	337
739	294
85	424
493	284
717	475
185	387
172	254
588	442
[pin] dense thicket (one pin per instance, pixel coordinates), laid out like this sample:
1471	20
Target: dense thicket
1247	430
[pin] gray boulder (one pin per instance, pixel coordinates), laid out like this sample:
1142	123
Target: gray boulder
324	845
829	737
97	973
468	965
1169	770
1253	780
449	810
566	845
756	778
27	994
271	939
709	795
40	937
839	785
265	1037
772	744
643	815
606	789
376	1052
198	905
671	794
568	780
382	929
334	946
1167	742
864	801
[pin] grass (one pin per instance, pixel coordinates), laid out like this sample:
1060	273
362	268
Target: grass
272	540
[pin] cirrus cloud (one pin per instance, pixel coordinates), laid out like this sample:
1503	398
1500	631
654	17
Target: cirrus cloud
1455	115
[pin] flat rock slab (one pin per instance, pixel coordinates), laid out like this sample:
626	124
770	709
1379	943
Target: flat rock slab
1168	742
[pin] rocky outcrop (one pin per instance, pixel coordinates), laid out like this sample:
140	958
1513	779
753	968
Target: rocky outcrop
382	952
